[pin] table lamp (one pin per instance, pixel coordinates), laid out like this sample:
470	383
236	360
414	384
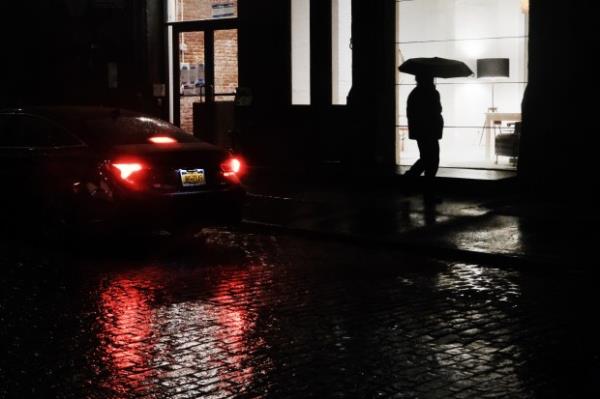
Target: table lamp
492	68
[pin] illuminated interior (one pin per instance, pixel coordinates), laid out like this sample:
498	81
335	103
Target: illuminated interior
476	111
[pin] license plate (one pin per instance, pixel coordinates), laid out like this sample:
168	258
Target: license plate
192	177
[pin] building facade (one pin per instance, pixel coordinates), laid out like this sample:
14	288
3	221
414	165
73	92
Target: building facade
295	62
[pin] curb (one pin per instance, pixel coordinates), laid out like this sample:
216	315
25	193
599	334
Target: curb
495	259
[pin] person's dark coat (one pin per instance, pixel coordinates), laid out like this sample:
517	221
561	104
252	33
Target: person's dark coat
424	113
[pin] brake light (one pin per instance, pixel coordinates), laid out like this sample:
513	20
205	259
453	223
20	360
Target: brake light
236	165
232	167
162	140
127	169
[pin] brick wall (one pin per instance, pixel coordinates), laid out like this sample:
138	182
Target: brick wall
226	61
194	47
185	106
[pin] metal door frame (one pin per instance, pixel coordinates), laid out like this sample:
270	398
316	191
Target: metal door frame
208	27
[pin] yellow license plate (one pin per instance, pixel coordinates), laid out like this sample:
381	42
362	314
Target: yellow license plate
192	177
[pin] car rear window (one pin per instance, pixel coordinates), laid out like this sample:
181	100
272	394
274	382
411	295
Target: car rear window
128	129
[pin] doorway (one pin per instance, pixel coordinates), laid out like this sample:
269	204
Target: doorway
204	71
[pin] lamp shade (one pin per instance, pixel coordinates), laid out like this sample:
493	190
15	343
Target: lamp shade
492	67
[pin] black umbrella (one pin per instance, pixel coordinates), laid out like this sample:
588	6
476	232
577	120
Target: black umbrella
437	67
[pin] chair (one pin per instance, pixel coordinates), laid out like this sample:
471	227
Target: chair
507	142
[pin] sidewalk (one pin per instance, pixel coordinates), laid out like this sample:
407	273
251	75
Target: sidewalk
497	226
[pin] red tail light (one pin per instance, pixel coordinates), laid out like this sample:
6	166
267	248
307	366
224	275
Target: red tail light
232	167
127	169
130	173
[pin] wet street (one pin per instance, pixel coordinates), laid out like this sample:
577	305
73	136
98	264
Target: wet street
249	314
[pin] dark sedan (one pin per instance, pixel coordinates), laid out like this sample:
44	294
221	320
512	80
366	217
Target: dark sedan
86	165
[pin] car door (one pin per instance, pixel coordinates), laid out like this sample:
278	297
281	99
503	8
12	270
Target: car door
17	163
43	163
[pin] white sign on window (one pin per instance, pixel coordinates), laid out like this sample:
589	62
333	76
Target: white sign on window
223	10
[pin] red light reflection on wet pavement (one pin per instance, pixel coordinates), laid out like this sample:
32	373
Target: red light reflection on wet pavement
178	330
253	316
127	323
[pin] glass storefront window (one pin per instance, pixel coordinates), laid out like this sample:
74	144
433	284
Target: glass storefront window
476	111
197	10
341	79
300	25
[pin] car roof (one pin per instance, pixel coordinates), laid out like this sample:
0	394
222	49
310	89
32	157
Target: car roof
72	111
86	121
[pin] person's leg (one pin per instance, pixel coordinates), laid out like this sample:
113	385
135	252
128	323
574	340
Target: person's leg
431	160
419	166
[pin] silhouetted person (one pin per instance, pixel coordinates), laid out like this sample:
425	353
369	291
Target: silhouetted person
425	124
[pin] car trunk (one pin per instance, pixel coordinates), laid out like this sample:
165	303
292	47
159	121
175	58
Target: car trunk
173	168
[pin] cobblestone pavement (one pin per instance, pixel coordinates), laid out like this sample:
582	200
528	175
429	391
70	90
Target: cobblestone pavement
248	315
